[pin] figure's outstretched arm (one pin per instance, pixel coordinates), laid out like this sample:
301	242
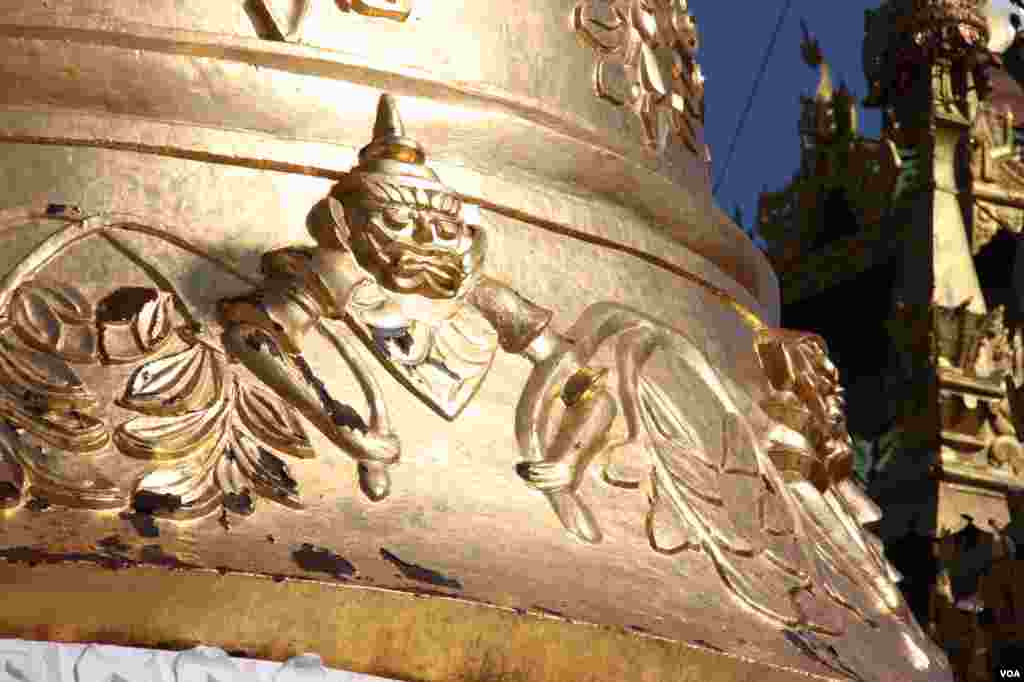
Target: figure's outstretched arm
266	329
553	463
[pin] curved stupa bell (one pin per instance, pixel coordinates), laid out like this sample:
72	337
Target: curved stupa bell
228	449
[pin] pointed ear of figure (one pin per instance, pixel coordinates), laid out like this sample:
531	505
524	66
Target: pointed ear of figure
332	231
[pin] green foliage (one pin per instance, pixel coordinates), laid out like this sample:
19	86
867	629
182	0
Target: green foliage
911	179
861	459
889	445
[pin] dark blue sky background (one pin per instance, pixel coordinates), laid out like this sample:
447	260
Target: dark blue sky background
734	37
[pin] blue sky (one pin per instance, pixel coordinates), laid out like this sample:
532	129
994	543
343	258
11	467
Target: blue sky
734	38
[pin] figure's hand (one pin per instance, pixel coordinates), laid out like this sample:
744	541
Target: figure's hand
381	446
581	434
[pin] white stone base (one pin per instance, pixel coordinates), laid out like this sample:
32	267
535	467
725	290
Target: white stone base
24	661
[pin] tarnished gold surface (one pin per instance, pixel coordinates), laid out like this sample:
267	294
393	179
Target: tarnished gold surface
402	636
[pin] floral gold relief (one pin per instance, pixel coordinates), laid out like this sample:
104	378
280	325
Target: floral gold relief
646	52
386	338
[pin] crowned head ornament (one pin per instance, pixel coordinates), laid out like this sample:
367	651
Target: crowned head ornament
403	225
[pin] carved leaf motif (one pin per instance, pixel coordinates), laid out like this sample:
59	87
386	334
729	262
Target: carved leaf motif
667	533
737	455
646	64
183	492
234	485
775	518
68	481
214	460
189	381
173	437
42	394
273	422
134	322
847	564
268	473
55	318
685	466
41	379
722	517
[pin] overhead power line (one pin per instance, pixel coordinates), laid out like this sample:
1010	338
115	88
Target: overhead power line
753	94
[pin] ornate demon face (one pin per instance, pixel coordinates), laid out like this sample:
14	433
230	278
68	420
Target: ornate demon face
422	247
808	398
824	394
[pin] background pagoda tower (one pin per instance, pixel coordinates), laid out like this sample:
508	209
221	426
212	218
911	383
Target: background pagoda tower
955	312
926	63
919	230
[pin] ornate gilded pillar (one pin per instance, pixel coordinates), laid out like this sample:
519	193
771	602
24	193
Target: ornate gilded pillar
407	334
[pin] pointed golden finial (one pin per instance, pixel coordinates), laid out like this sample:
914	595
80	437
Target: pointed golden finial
389	140
392	168
810	49
389	121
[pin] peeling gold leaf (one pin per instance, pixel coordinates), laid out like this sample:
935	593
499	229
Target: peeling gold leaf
269	474
42	394
272	421
234	485
189	492
62	480
177	384
134	322
55	318
73	431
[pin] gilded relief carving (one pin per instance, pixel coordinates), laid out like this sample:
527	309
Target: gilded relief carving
688	445
767	498
989	218
763	491
213	436
403	268
811	447
284	19
646	51
213	440
766	495
981	363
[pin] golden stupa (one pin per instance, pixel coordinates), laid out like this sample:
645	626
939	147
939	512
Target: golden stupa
406	335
